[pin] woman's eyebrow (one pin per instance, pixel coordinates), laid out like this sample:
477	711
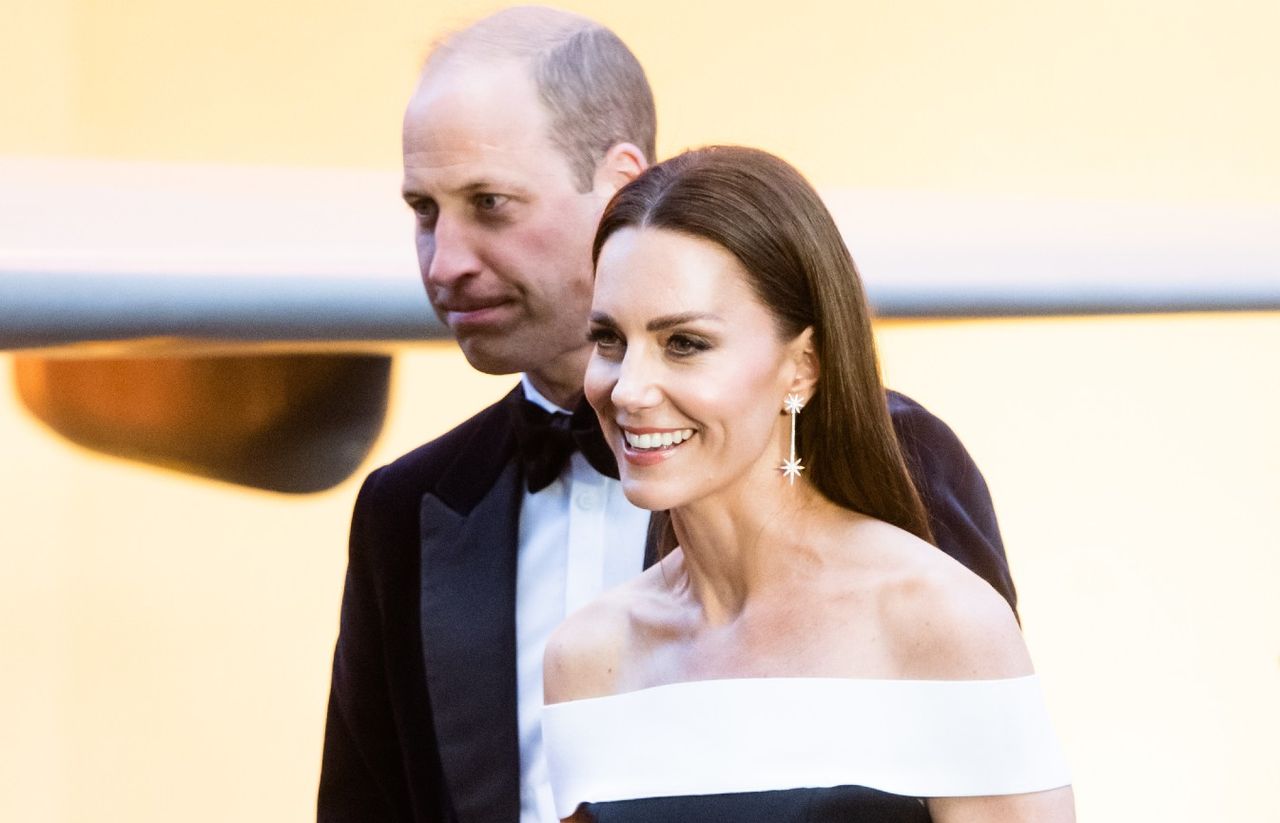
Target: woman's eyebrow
670	320
659	323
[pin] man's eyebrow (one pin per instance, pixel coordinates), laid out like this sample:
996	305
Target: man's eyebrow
660	323
480	186
485	184
410	190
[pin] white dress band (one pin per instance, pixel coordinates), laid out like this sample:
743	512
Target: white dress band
920	738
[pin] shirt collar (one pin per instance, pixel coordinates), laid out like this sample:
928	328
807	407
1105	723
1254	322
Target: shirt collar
534	396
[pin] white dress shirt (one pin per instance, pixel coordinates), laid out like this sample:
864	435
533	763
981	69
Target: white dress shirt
578	537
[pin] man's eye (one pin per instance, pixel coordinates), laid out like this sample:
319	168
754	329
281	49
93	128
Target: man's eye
424	210
490	202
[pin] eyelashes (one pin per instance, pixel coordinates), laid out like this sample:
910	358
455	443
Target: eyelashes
678	345
602	335
686	345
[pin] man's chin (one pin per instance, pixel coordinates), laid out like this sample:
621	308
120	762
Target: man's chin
491	359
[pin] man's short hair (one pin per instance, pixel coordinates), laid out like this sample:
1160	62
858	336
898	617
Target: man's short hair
590	82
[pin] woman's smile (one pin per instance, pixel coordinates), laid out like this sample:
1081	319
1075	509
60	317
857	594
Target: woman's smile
655	439
649	446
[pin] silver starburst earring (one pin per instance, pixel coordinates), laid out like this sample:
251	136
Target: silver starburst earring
791	468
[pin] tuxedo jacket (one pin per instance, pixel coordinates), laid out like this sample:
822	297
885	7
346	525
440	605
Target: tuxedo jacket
422	708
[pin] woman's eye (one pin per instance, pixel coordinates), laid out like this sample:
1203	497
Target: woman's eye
683	345
604	339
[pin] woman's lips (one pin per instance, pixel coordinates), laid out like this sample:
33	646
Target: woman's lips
649	446
653	439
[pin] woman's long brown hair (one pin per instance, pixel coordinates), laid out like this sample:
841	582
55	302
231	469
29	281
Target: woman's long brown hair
767	215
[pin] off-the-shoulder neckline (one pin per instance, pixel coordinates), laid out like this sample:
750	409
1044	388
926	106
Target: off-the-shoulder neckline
800	681
919	738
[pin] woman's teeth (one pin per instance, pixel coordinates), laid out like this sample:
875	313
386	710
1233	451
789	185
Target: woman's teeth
657	440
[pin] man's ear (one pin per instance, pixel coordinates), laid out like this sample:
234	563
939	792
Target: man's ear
805	357
622	163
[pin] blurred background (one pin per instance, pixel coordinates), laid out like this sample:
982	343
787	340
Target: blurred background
175	505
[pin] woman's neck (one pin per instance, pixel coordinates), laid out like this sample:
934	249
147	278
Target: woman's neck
738	544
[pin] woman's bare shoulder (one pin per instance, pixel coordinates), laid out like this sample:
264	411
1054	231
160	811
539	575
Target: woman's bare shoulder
585	655
941	621
952	625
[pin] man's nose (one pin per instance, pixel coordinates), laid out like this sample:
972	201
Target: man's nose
447	253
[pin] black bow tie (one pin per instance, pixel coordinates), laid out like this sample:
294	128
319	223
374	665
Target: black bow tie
545	440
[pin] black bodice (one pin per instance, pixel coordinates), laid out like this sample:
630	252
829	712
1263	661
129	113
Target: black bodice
841	804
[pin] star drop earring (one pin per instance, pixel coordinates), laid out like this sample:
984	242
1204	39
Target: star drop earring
791	468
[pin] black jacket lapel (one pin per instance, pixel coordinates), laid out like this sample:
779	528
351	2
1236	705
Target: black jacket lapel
469	648
468	528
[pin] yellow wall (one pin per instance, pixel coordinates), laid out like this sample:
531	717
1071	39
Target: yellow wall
1135	98
166	640
1135	465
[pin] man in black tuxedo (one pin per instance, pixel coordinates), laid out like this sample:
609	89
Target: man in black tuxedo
467	552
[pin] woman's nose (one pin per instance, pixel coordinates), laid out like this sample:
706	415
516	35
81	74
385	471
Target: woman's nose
638	385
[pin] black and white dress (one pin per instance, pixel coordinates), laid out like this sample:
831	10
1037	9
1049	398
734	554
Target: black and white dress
787	750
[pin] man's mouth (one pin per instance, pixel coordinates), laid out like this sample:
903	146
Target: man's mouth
470	313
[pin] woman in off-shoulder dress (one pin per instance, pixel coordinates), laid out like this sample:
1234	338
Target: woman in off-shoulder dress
801	652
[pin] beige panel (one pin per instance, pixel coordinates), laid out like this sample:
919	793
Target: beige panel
1128	98
167	640
1134	98
39	72
1135	466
